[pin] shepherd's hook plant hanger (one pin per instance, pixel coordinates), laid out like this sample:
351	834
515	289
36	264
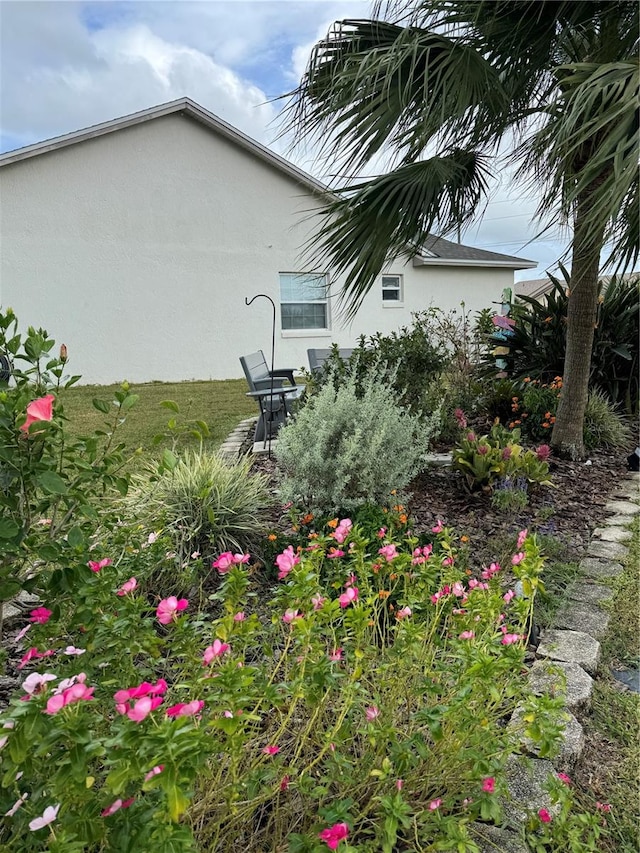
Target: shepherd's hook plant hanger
248	302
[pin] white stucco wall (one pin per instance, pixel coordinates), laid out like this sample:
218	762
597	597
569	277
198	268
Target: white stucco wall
138	248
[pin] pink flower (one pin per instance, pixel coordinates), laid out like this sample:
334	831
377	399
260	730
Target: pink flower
543	452
518	558
144	689
371	713
224	562
435	804
8	725
458	589
239	617
284	784
460	418
78	692
404	613
18	803
72	650
399	784
143	707
40	615
382	533
215	651
489	785
286	561
21	634
271	749
38	410
521	537
544	815
334	835
116	806
342	530
34	654
471	436
241	558
389	552
154	772
152	537
564	778
98	566
127	586
509	639
188	709
438	527
508	596
318	601
335	552
35	682
350	596
506	453
48	816
603	807
336	655
466	635
168	609
290	615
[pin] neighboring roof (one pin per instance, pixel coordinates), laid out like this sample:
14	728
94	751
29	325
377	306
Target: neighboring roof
537	287
439	252
435	252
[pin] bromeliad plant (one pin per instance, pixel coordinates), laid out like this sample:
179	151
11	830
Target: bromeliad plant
332	722
499	457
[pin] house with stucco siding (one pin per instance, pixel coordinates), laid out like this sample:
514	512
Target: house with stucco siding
137	241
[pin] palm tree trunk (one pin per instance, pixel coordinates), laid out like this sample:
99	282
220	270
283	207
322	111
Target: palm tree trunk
567	437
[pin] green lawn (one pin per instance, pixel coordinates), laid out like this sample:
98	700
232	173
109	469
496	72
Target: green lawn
220	404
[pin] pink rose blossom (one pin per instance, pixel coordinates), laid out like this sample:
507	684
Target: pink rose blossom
186	709
127	586
350	596
271	749
214	651
435	804
48	816
466	635
97	566
334	835
508	596
389	552
38	410
371	713
286	561
224	562
154	772
40	615
489	785
168	609
544	815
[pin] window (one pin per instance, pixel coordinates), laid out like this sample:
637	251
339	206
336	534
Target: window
392	289
303	301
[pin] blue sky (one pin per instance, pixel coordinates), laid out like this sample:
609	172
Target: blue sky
67	65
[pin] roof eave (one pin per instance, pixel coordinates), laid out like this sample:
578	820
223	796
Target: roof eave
523	264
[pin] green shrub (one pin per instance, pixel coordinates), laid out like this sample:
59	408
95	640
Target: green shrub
537	344
351	445
603	424
207	504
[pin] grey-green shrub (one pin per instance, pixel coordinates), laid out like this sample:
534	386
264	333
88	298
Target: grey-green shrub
208	504
604	426
351	445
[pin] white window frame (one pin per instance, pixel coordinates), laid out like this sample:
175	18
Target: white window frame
312	331
398	288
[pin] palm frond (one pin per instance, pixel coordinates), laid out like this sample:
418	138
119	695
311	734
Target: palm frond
393	214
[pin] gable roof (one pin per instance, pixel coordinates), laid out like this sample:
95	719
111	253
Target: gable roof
436	252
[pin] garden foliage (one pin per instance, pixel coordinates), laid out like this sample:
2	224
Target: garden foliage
351	444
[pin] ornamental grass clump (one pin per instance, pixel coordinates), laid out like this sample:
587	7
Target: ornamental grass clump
367	711
351	445
206	503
